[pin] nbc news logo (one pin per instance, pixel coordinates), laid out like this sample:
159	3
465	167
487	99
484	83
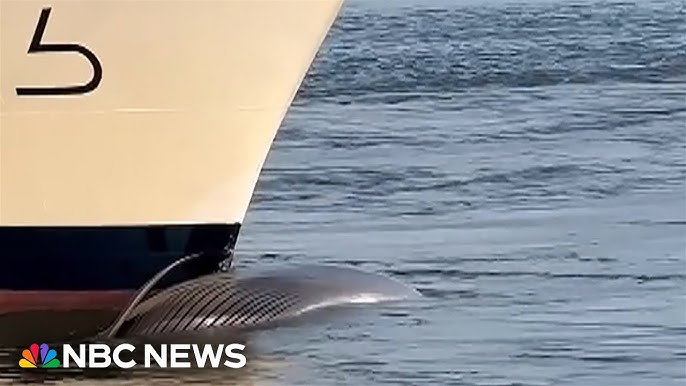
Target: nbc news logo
39	356
97	355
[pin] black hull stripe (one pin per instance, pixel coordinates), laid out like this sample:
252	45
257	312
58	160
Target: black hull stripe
108	257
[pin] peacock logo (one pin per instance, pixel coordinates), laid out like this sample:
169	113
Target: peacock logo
31	359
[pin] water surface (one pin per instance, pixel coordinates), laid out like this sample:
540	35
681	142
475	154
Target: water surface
522	164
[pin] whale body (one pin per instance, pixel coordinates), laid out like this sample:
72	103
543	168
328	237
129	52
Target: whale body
224	301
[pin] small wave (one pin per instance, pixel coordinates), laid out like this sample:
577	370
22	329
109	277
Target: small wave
467	274
404	53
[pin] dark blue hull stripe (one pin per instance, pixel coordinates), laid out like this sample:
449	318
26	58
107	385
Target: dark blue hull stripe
106	258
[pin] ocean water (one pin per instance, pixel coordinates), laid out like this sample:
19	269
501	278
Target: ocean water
523	165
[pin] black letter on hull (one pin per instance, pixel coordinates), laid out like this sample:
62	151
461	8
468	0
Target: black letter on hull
37	46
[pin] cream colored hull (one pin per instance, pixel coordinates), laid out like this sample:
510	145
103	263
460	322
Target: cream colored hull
191	96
